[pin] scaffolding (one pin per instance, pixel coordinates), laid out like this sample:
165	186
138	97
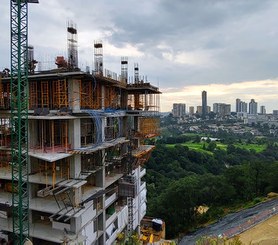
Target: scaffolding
60	94
143	101
97	98
72	46
4	95
44	94
136	73
51	136
124	69
111	97
149	126
98	57
33	98
86	95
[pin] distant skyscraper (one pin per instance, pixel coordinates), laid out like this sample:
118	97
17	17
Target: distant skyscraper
253	107
178	109
275	112
199	109
238	105
191	110
263	110
241	106
204	104
222	109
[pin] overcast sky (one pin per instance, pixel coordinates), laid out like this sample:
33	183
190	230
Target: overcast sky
228	47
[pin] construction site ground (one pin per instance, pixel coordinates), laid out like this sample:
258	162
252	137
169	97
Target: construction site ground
265	233
240	222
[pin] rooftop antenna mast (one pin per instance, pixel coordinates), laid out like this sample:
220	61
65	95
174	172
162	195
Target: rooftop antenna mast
19	118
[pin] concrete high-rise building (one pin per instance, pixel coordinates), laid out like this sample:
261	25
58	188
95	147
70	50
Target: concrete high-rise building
191	110
204	104
85	162
275	112
179	109
262	109
200	109
253	107
238	105
222	109
241	106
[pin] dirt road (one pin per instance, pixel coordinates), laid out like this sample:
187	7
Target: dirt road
235	223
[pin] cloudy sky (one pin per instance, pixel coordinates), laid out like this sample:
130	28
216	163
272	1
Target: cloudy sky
227	47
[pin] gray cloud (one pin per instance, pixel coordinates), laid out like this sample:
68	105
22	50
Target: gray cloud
182	42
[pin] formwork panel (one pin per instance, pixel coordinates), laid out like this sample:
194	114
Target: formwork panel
149	126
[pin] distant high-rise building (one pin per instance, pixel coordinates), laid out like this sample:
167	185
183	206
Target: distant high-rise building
238	105
263	110
199	109
253	107
241	106
191	110
204	104
275	112
222	109
178	109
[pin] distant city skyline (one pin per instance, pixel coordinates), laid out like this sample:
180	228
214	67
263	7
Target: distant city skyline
263	92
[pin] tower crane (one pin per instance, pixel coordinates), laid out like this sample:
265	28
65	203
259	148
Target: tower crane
19	118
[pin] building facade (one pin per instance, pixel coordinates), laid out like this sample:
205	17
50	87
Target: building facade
262	109
253	107
241	106
221	109
191	110
204	104
85	157
179	109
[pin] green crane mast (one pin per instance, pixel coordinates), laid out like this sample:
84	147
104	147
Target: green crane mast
19	118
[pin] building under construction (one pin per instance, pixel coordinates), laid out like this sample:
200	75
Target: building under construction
86	151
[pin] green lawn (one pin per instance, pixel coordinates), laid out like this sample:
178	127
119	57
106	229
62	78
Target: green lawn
257	148
199	146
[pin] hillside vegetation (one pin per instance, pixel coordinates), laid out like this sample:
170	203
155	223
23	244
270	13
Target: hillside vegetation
183	175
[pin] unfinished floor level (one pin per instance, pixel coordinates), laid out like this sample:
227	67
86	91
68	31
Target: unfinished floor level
86	158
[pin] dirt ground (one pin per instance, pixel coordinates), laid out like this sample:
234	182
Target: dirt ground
265	233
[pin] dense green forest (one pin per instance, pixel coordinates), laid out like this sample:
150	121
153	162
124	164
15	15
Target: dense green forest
179	179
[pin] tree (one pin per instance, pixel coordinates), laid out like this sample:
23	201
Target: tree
211	146
176	205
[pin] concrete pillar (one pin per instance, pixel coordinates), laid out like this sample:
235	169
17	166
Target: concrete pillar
100	175
103	125
102	97
32	131
74	133
75	224
74	94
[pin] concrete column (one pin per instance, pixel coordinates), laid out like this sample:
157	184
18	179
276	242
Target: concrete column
32	131
75	132
103	124
102	97
75	160
100	175
74	94
75	224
